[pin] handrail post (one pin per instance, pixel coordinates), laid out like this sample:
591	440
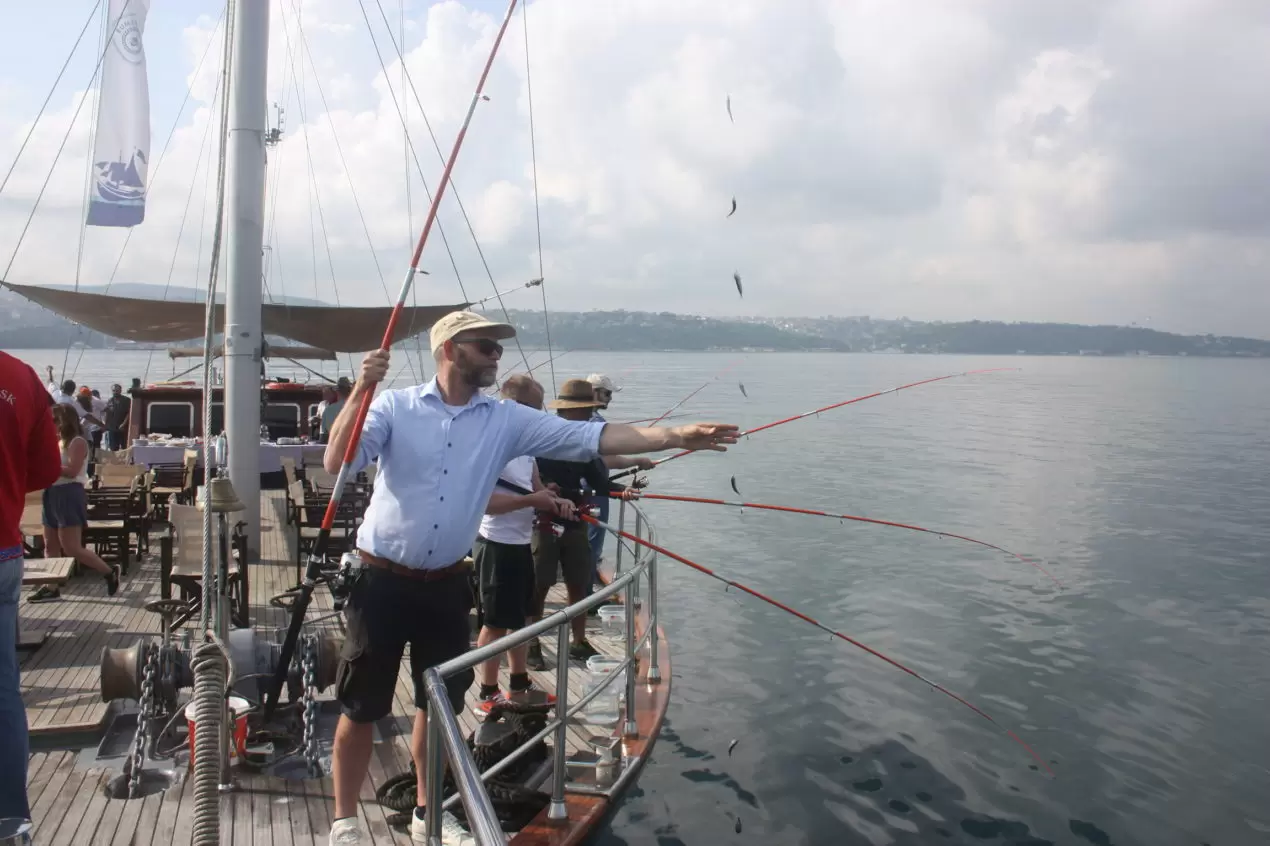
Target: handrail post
639	533
558	811
632	726
434	773
654	671
619	541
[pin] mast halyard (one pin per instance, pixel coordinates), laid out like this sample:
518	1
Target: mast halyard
245	149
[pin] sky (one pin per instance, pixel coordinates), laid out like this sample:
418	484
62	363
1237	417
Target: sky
1091	161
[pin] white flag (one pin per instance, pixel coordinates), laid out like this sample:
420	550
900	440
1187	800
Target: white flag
121	154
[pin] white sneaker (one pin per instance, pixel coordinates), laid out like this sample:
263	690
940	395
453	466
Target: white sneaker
452	831
347	832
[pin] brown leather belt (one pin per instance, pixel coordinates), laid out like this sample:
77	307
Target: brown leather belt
412	572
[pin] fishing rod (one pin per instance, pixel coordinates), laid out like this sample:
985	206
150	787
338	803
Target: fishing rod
700	568
772	425
317	558
647	419
548	361
714	378
874	520
532	283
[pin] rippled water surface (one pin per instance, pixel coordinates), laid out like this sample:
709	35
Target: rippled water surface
1142	484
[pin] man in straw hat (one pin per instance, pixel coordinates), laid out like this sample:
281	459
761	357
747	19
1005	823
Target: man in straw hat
570	553
440	447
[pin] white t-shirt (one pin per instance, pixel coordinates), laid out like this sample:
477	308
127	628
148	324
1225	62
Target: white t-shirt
514	527
55	391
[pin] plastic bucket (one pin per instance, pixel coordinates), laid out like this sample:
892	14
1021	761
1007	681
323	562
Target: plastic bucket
238	708
603	665
613	620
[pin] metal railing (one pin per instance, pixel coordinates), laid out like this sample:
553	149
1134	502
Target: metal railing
445	738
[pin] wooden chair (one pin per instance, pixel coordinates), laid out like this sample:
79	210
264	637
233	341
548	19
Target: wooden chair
110	525
181	564
343	532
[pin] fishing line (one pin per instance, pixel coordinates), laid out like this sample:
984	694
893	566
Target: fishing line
714	378
805	618
776	423
853	517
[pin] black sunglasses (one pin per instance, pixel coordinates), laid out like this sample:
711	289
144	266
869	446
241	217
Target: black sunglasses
488	347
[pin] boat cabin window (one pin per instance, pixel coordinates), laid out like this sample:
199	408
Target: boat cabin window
283	419
218	418
170	418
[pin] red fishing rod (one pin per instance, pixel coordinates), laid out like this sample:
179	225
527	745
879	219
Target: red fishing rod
317	558
715	378
772	425
814	513
805	618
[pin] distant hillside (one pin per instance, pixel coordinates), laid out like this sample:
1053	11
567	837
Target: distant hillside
864	334
24	325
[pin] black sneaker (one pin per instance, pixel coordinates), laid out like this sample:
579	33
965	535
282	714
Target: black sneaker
534	660
112	580
44	593
582	651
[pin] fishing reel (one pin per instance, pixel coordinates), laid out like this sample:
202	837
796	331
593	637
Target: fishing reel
556	525
345	577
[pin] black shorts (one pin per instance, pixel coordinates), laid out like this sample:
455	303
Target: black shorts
506	574
569	554
385	611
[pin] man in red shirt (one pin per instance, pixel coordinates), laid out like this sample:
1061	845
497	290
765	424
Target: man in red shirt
30	460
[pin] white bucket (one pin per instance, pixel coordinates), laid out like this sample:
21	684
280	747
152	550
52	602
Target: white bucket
613	620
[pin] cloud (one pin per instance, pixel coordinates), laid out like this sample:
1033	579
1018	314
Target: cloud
1085	161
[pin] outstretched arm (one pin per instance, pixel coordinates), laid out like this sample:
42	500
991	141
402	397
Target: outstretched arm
621	439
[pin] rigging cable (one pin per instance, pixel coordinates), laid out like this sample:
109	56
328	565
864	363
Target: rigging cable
405	126
60	149
454	189
533	152
217	96
159	162
52	90
83	208
318	555
405	153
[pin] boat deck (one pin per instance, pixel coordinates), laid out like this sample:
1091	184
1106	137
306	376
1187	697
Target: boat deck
60	687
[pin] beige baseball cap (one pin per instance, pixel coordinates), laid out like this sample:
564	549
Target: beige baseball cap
464	321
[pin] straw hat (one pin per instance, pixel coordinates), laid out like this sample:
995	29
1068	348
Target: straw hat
575	393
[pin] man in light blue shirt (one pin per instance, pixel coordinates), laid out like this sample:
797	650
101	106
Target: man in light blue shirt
440	447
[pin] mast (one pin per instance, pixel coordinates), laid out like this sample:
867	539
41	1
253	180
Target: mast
245	165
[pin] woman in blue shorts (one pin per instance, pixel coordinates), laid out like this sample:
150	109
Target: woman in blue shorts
66	501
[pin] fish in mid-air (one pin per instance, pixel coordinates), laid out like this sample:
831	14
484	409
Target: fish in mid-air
736	277
729	214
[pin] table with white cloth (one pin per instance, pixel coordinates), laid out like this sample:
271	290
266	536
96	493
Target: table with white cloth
271	455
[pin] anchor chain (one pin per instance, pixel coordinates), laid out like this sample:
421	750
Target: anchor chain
308	668
137	757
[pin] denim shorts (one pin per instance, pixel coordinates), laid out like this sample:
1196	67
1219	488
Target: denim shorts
65	506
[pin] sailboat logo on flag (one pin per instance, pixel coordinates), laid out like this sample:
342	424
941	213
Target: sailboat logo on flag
121	149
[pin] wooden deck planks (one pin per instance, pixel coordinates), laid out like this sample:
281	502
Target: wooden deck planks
61	687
